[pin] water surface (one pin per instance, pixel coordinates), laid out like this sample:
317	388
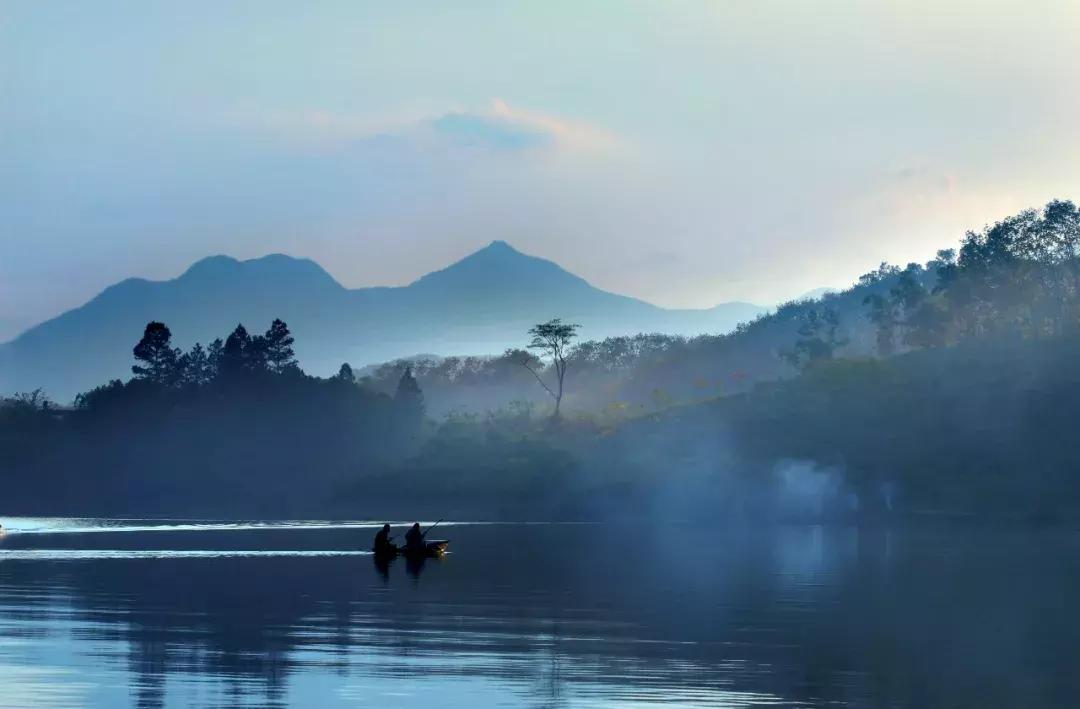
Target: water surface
146	613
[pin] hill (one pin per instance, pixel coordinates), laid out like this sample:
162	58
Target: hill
945	389
482	303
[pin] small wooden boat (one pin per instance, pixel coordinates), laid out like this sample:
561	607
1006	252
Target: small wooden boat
436	547
432	549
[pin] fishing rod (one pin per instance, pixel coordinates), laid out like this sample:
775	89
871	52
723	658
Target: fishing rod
433	526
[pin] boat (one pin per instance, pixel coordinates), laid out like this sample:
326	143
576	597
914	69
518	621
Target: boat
432	549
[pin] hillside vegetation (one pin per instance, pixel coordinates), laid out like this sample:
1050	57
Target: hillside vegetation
941	388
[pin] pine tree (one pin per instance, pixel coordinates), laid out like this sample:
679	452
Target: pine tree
236	353
198	369
161	362
215	352
276	346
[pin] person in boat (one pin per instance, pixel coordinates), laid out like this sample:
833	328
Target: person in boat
383	545
414	538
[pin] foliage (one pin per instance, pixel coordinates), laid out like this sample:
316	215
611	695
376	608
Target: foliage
819	338
409	402
1018	277
160	362
276	346
952	382
552	338
237	427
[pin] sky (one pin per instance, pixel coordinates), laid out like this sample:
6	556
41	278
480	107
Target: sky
687	153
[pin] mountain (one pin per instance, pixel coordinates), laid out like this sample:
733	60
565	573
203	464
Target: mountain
483	303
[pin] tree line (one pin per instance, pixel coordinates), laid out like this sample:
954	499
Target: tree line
239	355
1019	277
949	381
236	426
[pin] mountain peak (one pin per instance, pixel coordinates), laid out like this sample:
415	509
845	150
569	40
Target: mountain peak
481	303
497	249
269	268
498	245
499	267
211	265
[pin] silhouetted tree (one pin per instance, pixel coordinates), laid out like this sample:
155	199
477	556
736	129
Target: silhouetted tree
24	418
345	373
237	354
100	397
409	402
160	361
276	346
197	368
553	339
883	273
408	392
215	351
28	403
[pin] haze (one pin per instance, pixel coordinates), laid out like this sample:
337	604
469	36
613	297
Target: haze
685	153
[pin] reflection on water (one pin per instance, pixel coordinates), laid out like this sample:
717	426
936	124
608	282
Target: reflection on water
273	614
84	554
75	525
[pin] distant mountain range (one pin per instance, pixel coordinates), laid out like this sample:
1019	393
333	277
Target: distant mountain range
484	303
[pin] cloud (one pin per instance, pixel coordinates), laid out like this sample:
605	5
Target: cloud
574	135
499	128
485	131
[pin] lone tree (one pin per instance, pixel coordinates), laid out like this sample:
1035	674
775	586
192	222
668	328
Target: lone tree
160	361
552	339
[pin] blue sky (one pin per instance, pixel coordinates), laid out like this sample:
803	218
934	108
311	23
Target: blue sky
682	152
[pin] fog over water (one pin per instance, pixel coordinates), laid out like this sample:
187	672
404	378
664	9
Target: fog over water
729	348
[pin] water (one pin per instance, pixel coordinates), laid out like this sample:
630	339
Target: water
144	613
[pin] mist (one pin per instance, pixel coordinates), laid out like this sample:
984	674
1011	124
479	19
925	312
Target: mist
561	354
932	391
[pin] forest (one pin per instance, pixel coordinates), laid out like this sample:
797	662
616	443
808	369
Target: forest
936	389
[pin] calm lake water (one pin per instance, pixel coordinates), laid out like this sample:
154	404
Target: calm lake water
98	613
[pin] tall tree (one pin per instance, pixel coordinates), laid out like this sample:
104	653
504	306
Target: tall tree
553	339
215	352
277	349
160	361
409	400
236	354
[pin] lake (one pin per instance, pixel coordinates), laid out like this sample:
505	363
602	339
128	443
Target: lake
98	613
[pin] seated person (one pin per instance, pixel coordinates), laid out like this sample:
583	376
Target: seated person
383	545
414	538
